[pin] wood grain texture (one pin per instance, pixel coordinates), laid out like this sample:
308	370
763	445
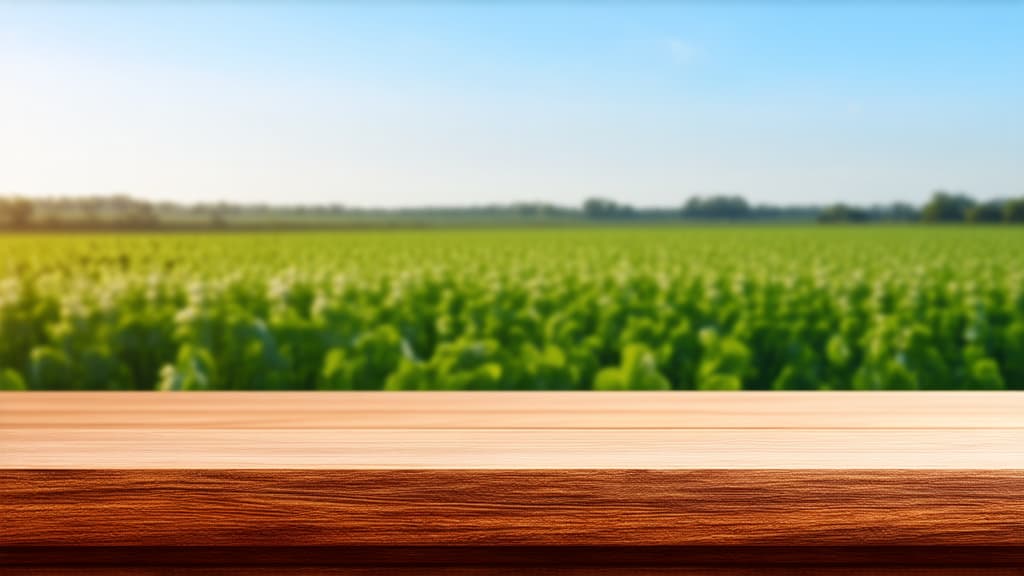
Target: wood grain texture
512	431
513	410
390	449
720	560
509	570
513	508
361	481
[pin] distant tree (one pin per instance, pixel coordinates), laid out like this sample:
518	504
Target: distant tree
219	214
603	208
901	211
947	207
138	213
987	213
1013	211
17	211
596	207
841	213
773	212
121	203
217	219
529	209
91	208
717	207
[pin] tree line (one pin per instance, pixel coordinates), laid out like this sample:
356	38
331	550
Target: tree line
941	207
124	212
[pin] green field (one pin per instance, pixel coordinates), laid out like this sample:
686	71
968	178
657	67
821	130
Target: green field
595	308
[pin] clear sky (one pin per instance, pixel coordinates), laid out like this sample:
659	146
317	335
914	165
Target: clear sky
474	102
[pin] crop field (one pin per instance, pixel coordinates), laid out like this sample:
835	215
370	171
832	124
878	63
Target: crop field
583	308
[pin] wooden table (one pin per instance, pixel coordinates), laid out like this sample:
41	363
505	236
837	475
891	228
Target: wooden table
473	483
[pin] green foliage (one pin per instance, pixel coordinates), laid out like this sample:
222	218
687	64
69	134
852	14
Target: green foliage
460	365
1014	355
802	371
194	370
729	308
638	371
985	375
11	380
725	361
50	369
365	364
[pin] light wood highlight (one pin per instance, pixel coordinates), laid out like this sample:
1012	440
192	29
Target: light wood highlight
546	410
496	449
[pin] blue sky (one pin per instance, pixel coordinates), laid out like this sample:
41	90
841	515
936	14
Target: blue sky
431	103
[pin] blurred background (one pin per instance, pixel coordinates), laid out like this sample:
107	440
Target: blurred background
509	195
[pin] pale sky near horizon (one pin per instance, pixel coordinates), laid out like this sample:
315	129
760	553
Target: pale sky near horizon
437	103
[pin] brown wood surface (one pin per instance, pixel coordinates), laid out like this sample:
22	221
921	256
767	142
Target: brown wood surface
513	508
513	479
508	570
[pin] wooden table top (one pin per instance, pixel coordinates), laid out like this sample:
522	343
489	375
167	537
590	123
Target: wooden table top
513	430
836	478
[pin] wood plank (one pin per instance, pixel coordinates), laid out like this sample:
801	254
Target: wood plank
451	410
513	508
565	449
510	570
359	480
